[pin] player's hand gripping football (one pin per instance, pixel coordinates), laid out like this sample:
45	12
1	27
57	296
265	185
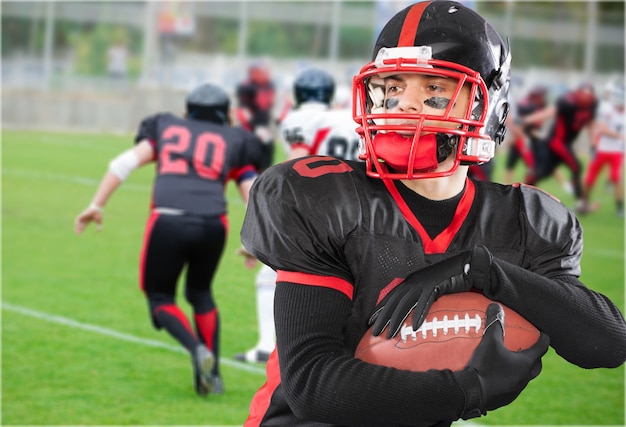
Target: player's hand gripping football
495	375
456	274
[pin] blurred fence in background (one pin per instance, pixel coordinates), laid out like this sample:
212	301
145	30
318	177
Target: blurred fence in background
102	66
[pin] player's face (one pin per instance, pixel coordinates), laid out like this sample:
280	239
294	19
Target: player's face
412	93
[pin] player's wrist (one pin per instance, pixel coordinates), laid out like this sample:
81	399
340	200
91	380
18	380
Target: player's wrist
480	267
95	207
469	383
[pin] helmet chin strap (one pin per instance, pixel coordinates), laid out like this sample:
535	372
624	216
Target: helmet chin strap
430	150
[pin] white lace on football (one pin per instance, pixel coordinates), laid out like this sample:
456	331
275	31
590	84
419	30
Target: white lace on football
436	326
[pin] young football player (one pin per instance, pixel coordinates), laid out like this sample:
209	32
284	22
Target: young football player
360	244
609	146
254	111
187	228
527	142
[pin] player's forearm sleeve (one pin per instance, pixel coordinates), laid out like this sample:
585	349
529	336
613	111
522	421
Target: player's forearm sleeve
584	326
317	372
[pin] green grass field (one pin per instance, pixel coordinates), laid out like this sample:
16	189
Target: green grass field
77	344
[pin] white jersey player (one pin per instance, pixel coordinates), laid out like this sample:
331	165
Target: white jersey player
609	140
313	127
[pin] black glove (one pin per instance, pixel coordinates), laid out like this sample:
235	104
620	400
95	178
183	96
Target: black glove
453	275
495	376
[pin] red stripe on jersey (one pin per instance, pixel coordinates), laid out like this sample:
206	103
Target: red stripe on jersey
390	287
330	282
299	145
559	145
144	250
411	22
242	118
320	136
440	243
225	223
262	398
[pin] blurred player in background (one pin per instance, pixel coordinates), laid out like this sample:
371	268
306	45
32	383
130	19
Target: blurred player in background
482	172
313	127
254	111
609	146
187	228
358	244
573	112
526	137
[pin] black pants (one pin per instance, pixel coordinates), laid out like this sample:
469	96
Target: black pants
177	243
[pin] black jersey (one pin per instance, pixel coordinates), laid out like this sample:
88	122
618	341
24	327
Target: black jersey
259	99
339	239
194	161
525	108
571	117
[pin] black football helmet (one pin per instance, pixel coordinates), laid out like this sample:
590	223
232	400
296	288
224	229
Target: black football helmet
443	39
210	103
313	84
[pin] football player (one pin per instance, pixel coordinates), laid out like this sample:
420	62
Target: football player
255	98
609	145
360	244
312	127
573	112
526	138
195	156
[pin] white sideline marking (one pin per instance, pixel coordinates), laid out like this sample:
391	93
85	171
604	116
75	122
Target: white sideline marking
119	335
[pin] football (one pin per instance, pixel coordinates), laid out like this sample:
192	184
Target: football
451	331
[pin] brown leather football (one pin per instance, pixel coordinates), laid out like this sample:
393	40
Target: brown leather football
449	335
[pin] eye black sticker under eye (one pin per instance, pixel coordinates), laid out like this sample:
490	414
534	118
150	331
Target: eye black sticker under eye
437	102
391	103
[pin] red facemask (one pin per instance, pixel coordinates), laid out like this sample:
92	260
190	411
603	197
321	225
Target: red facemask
394	148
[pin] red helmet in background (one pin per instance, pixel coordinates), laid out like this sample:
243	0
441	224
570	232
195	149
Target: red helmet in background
585	95
259	72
